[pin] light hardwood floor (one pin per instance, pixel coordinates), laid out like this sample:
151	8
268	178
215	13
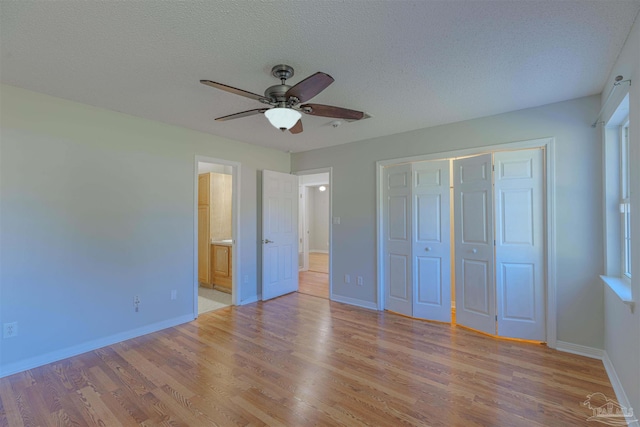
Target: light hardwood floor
302	361
315	281
319	262
312	283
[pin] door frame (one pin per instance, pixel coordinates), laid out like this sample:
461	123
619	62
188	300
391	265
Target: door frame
235	227
328	170
548	144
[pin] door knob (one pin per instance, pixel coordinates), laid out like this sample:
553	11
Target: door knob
428	248
474	250
265	241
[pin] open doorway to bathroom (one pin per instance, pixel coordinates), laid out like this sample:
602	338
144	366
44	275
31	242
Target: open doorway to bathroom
315	234
215	234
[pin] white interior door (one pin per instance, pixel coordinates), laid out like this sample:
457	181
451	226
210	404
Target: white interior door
431	241
520	285
279	234
474	246
397	239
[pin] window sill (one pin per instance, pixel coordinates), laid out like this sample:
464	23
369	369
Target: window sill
620	287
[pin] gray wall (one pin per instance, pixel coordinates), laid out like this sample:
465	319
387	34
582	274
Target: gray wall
622	326
319	219
98	207
578	185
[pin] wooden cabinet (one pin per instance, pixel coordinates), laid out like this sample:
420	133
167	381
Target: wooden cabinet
214	224
204	269
204	189
220	202
221	270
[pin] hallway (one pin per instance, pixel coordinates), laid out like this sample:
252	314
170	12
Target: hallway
315	281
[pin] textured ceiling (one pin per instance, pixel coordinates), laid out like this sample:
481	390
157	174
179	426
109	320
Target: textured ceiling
409	64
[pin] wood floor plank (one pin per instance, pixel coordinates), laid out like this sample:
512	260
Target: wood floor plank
153	373
300	360
10	414
319	262
249	406
315	281
128	403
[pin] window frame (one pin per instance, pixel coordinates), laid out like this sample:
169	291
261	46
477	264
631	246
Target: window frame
625	202
616	175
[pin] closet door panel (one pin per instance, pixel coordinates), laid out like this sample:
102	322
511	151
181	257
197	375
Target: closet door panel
431	243
397	239
520	284
474	250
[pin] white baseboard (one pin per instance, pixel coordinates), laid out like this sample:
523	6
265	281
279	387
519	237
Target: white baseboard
354	301
55	356
595	353
621	396
581	350
320	251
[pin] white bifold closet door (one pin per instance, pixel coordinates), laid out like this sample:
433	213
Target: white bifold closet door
498	242
500	287
520	283
397	239
417	232
431	243
474	256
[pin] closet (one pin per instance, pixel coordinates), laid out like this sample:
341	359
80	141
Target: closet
490	256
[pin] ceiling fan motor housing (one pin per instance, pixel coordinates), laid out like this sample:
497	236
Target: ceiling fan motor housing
277	93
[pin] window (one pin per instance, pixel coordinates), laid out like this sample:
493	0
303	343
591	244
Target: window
625	211
616	199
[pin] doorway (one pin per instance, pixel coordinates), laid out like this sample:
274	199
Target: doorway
314	233
216	234
502	279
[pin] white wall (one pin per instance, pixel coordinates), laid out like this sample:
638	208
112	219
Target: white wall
97	207
579	213
319	220
622	327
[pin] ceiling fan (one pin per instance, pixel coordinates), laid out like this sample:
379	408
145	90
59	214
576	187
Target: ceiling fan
286	101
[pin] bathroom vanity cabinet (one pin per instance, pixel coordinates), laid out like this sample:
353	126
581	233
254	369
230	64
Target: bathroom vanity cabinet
221	271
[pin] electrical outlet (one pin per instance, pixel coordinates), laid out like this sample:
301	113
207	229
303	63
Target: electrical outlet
347	278
136	303
174	294
360	281
246	278
10	330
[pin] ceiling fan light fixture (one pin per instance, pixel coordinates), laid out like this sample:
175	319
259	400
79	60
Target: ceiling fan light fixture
282	118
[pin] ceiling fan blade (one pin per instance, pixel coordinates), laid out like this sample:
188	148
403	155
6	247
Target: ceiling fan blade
242	114
331	111
310	87
232	89
297	128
